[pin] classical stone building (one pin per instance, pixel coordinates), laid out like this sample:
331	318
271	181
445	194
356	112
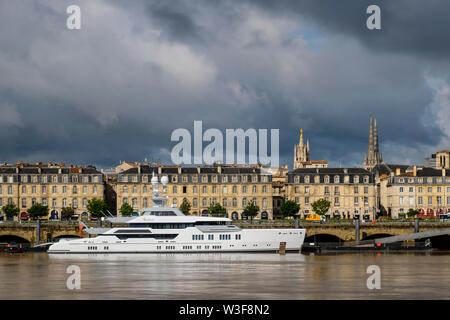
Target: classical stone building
53	185
382	172
373	156
231	186
424	189
351	191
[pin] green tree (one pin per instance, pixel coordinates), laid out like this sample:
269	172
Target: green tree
217	210
126	210
321	206
185	207
67	213
251	210
10	210
38	210
97	207
412	213
289	208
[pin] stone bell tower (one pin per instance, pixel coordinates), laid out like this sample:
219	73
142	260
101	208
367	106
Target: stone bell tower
301	152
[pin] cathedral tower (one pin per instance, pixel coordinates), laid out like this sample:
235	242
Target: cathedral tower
301	152
373	156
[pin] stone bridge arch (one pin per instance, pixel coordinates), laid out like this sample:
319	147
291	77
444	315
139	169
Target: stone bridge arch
9	238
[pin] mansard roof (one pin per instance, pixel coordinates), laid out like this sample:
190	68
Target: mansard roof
323	171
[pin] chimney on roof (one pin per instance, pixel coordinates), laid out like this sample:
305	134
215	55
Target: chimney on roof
139	167
397	171
179	169
62	164
443	172
415	171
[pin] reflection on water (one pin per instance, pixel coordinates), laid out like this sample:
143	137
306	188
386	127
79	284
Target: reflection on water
225	276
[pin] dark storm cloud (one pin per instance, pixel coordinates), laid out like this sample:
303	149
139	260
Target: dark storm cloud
177	25
413	27
116	89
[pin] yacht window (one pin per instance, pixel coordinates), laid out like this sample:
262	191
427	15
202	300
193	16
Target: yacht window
153	236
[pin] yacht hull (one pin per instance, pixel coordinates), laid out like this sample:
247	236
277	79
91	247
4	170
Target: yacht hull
244	240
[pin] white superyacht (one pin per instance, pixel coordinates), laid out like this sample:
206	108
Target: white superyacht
162	229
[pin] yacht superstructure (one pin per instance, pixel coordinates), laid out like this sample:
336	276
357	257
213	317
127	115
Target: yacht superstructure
168	230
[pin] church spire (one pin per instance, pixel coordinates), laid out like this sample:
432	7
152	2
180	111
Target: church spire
375	134
370	135
301	152
372	157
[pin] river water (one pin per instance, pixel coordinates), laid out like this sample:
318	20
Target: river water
226	276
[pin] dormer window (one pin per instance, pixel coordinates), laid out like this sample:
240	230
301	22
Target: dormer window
306	179
336	179
356	179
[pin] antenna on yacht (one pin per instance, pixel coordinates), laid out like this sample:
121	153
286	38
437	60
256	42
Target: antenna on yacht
159	200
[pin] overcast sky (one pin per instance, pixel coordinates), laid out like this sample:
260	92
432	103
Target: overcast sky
137	70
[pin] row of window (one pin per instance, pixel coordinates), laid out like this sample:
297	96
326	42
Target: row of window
205	203
44	189
51	179
336	200
336	190
411	200
211	237
26	202
422	180
194	178
327	179
420	189
134	189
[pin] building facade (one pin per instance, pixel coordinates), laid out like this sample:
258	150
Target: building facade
424	189
351	191
231	186
55	186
